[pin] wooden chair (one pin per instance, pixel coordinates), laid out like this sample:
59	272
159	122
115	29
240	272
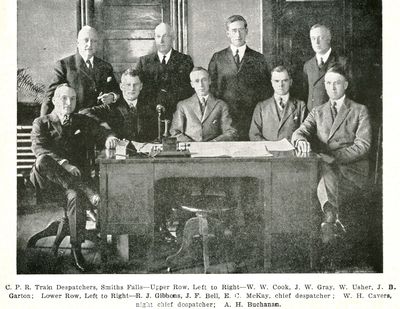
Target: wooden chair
210	222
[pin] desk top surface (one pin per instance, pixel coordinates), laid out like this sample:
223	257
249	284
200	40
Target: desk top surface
108	157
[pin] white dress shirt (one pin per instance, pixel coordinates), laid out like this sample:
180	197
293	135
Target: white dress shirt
241	49
167	56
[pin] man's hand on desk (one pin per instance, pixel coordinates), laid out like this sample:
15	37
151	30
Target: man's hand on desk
72	169
111	142
303	146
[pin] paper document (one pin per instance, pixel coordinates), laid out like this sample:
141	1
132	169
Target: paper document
282	145
228	149
144	147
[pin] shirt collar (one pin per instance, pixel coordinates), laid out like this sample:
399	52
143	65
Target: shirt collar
241	49
132	103
285	98
205	97
90	59
167	56
324	56
339	102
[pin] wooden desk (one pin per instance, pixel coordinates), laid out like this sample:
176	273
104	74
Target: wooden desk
287	191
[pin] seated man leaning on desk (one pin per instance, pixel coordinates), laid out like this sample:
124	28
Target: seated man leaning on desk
202	117
279	116
342	131
60	141
131	117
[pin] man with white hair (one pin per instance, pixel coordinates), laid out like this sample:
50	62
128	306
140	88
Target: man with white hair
166	72
91	77
314	69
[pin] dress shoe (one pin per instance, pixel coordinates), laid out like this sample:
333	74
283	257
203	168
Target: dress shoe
328	232
163	234
79	261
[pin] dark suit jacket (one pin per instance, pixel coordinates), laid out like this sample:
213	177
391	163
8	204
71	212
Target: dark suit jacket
314	82
240	88
140	125
188	123
73	70
268	125
347	139
50	138
169	85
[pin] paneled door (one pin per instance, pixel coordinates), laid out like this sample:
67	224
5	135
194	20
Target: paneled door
126	29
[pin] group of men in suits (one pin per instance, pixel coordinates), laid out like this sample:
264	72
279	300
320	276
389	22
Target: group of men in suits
232	100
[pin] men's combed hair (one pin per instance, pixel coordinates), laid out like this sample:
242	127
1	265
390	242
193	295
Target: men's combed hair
322	26
338	68
195	69
133	73
281	68
234	18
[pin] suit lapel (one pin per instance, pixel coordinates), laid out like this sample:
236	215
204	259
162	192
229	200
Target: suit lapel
289	110
246	58
211	102
231	60
81	67
341	116
195	106
271	109
55	123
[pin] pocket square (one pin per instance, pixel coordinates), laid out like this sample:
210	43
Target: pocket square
215	121
109	79
77	132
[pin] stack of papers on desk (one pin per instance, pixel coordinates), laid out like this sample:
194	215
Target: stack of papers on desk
225	149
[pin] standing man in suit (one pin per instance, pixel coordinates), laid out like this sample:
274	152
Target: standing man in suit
60	141
279	116
314	69
202	117
91	77
166	72
341	130
238	75
131	117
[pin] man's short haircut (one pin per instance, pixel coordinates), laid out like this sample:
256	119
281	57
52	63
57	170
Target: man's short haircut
281	68
61	86
133	73
234	18
87	28
338	69
322	26
195	69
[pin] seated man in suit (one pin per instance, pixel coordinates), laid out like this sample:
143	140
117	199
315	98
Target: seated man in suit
60	141
342	132
279	116
202	117
91	77
131	117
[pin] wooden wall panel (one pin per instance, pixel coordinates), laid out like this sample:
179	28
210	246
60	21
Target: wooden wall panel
132	17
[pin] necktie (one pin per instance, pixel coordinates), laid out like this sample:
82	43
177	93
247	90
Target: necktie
66	121
237	58
164	62
321	63
334	110
281	104
89	66
202	105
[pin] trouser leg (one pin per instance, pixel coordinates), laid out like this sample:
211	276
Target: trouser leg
47	169
328	188
76	213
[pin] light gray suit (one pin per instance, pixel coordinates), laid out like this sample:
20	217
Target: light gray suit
268	124
188	123
347	139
